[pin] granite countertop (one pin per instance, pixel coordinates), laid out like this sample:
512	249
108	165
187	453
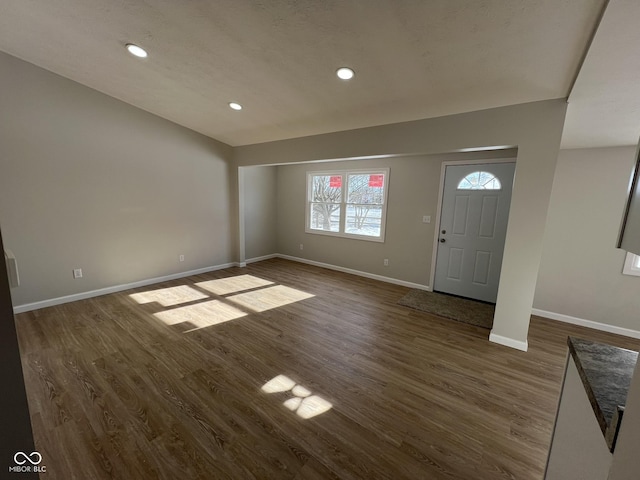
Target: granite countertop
606	373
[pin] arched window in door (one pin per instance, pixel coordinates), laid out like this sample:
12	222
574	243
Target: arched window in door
479	181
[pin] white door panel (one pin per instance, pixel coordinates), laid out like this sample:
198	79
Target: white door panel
473	226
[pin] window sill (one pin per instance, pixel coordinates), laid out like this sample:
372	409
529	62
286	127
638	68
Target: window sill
347	235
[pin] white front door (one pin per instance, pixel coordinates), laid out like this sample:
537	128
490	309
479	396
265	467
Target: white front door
473	226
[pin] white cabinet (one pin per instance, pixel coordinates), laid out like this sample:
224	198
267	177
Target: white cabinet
578	448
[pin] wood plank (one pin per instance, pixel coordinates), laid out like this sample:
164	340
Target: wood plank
156	386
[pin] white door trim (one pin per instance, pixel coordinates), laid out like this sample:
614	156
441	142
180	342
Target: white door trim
436	230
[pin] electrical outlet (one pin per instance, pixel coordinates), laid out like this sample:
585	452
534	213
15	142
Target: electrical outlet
301	247
77	273
426	219
181	258
386	262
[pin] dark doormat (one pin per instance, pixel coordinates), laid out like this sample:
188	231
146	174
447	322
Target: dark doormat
451	307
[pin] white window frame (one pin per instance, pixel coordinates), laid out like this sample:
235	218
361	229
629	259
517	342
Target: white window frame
631	265
343	203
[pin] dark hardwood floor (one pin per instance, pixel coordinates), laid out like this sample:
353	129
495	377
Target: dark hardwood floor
194	378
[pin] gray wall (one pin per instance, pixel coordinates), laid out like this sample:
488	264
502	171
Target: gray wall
581	269
87	181
413	192
535	128
260	211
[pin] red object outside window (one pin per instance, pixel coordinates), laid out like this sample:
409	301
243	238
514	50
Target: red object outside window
376	180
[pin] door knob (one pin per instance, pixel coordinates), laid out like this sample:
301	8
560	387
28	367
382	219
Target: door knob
444	231
442	240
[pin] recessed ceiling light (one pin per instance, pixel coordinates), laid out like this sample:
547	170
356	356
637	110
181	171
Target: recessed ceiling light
136	50
345	73
235	106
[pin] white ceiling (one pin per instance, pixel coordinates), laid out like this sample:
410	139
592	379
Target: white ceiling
413	59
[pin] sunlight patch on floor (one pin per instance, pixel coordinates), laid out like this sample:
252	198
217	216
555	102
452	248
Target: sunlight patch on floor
281	383
312	406
225	286
201	315
303	403
256	295
168	297
269	298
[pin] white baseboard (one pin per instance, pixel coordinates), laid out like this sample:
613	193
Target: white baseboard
143	283
263	257
117	288
508	342
372	276
627	332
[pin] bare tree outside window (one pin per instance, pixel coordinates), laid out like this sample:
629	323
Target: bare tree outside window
347	203
326	198
364	204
